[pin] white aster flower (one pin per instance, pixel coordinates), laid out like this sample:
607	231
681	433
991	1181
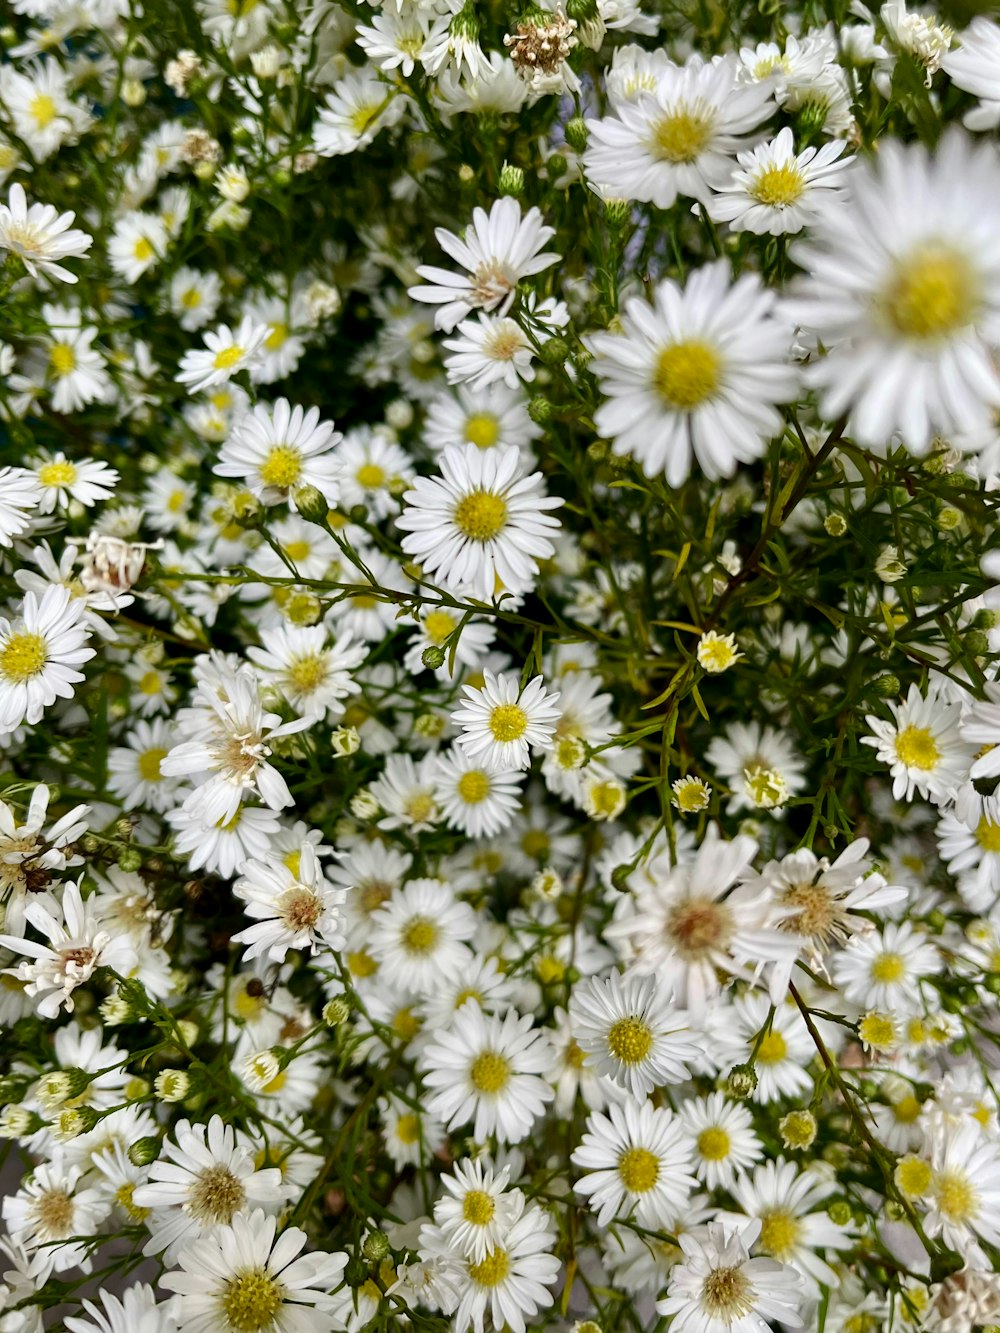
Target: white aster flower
226	352
277	448
314	675
700	372
637	1159
20	495
476	1213
137	245
359	107
974	66
925	747
502	723
473	797
49	1211
40	236
883	970
421	934
40	652
294	906
723	1136
136	1310
487	350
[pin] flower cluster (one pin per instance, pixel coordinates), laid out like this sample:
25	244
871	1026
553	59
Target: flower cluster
499	666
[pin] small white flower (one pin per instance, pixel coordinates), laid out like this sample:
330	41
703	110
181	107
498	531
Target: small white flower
501	723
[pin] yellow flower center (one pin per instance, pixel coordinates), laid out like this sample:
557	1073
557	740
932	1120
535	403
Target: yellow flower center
277	336
490	1072
727	1294
777	186
282	467
639	1170
480	515
143	249
59	473
370	476
437	626
420	935
912	1176
216	1197
629	1040
307	673
42	109
779	1234
62	359
988	835
907	1109
405	1023
772	1049
687	373
692	796
955	1196
123	1197
23	655
191	299
362	116
478	1208
508	722
917	748
714	1144
408	1128
493	1269
681	136
473	787
55	1211
888	968
932	293
420	807
149	764
251	1300
482	430
299	550
229	357
150	683
361	964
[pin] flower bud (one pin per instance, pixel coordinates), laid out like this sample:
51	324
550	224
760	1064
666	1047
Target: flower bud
16	1122
129	860
71	1124
144	1151
886	686
345	741
797	1129
554	352
172	1085
336	1011
839	1212
433	657
577	134
375	1246
835	525
540	410
511	181
742	1081
312	505
977	641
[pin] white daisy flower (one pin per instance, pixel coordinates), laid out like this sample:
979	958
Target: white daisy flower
75	370
972	855
40	652
482	525
473	797
680	137
314	675
221	845
396	41
40	236
411	1137
134	775
965	1190
475	1215
973	66
487	350
485	1070
780	1054
371	470
700	372
501	723
136	1310
638	1161
243	1277
293	909
883	970
359	106
195	297
422	933
137	245
632	1032
498	249
718	1288
277	448
88	482
407	792
724	1139
903	288
20	496
489	417
759	764
48	1211
925	746
226	352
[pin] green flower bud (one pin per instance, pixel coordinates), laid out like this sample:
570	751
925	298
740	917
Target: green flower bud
835	525
986	619
742	1081
617	212
577	134
886	686
556	166
336	1011
129	860
511	181
358	514
375	1247
540	410
433	657
144	1151
839	1212
554	352
311	504
977	641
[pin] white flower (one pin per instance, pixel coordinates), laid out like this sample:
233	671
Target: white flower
40	236
474	798
89	482
277	448
243	1277
226	352
220	845
135	1311
314	675
903	288
717	652
134	769
924	746
724	1139
884	970
76	370
776	192
485	1070
701	372
965	1191
78	944
137	244
498	250
632	1032
20	494
487	350
487	417
370	468
421	934
678	138
501	723
295	907
359	106
637	1160
718	1288
480	523
195	297
476	1214
975	66
50	1210
39	655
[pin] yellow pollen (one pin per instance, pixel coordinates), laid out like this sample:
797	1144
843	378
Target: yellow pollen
687	374
420	935
490	1073
480	515
361	964
508	722
907	1109
370	476
123	1197
681	136
282	467
143	249
549	969
247	1006
888	969
23	655
150	683
308	673
42	109
988	835
482	430
362	116
778	186
639	1170
420	807
437	626
62	359
493	1269
293	862
277	337
714	1144
59	473
931	295
251	1300
535	843
473	787
630	1040
772	1049
229	357
149	765
191	299
299	550
405	1024
478	1208
699	926
779	1234
727	1294
955	1196
216	1197
300	908
916	747
408	1128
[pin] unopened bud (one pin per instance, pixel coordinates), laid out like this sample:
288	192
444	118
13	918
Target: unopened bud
375	1246
433	657
577	134
511	180
835	524
336	1011
540	410
742	1081
886	686
345	741
172	1085
312	505
797	1129
144	1151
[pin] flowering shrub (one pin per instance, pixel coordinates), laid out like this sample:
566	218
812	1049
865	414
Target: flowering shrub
499	812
